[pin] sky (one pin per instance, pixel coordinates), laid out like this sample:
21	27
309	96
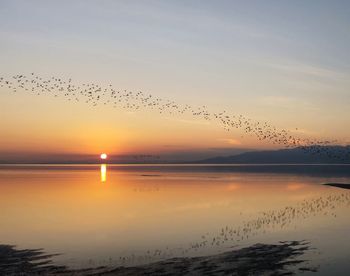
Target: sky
285	62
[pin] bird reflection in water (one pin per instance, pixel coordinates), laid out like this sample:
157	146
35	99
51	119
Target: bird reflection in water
103	172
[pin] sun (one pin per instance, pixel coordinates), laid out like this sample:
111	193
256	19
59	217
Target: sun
103	156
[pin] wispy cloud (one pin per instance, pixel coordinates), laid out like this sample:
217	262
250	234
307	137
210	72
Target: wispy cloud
303	131
196	122
307	70
230	141
288	102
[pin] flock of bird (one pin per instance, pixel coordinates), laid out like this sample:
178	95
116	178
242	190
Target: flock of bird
95	94
229	236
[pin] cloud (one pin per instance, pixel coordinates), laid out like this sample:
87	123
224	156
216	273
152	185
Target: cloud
230	141
288	103
188	121
307	70
303	131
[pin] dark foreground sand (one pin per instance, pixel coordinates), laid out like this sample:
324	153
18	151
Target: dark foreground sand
259	259
339	185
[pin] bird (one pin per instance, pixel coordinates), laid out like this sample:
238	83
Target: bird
95	94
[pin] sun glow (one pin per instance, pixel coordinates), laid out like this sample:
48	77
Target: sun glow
103	156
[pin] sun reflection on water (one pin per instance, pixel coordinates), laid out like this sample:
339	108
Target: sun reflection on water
103	172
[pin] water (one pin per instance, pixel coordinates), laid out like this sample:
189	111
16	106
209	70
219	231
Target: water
127	215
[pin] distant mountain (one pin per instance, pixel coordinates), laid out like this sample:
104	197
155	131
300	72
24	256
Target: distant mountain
322	155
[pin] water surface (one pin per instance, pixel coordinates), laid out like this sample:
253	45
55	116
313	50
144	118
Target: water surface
115	214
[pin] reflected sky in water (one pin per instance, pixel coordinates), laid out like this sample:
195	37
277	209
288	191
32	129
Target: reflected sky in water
110	215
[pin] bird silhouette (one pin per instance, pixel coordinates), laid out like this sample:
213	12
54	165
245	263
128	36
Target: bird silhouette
95	95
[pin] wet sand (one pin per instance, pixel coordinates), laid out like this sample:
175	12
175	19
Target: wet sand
283	258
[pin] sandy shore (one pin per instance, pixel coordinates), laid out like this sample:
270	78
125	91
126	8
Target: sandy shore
283	258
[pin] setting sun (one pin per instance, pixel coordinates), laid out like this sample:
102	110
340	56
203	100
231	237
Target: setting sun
226	125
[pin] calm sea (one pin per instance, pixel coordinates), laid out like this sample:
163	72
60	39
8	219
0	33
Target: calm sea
133	214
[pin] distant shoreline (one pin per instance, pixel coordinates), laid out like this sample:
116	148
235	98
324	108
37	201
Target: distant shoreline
176	164
297	156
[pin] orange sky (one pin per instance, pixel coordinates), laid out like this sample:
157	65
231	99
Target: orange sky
265	68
